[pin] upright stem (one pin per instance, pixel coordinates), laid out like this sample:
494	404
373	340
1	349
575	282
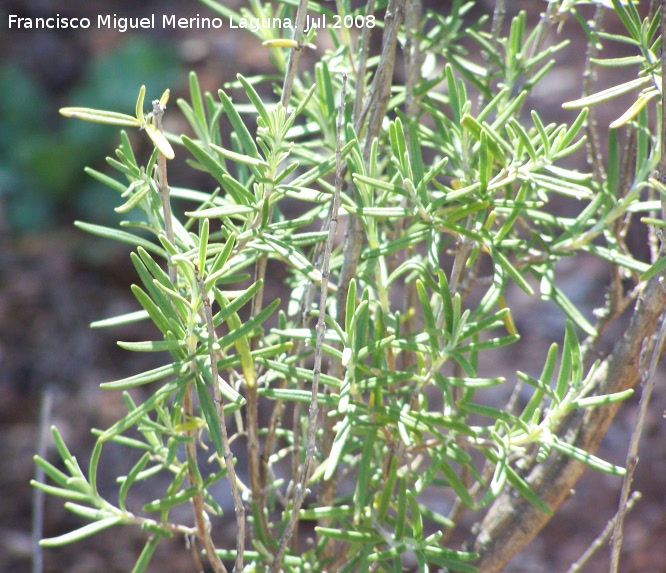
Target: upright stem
163	186
228	455
301	488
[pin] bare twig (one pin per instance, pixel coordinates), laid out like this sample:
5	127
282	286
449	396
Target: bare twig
163	187
603	536
413	56
294	56
301	487
38	493
362	62
228	455
380	89
594	154
632	454
200	516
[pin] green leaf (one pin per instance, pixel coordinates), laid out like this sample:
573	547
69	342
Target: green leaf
348	535
222	211
147	553
240	158
253	96
160	141
131	477
61	492
82	532
227	309
521	486
121	236
417	519
654	270
210	413
586	458
197	100
239	126
608	94
169	501
387	491
500	259
456	482
51	471
365	471
145	377
154	312
337	448
140	411
601	400
139	104
152	345
101	116
203	246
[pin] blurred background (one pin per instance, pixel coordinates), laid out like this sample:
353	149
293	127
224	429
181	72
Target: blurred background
55	279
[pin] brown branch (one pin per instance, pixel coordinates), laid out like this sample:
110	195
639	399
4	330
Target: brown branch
512	522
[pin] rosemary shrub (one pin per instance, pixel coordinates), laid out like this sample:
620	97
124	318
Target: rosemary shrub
386	205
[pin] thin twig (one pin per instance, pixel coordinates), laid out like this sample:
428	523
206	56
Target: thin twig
603	536
301	488
374	111
198	501
413	65
228	455
594	154
294	56
380	89
38	493
632	454
413	56
364	44
163	187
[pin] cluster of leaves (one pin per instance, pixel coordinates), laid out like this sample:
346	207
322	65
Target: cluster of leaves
449	200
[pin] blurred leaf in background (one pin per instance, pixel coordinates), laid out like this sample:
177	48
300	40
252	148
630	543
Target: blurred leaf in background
40	158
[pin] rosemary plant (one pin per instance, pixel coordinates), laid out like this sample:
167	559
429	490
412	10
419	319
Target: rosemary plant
400	214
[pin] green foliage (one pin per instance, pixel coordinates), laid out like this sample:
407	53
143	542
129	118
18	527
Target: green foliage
445	193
